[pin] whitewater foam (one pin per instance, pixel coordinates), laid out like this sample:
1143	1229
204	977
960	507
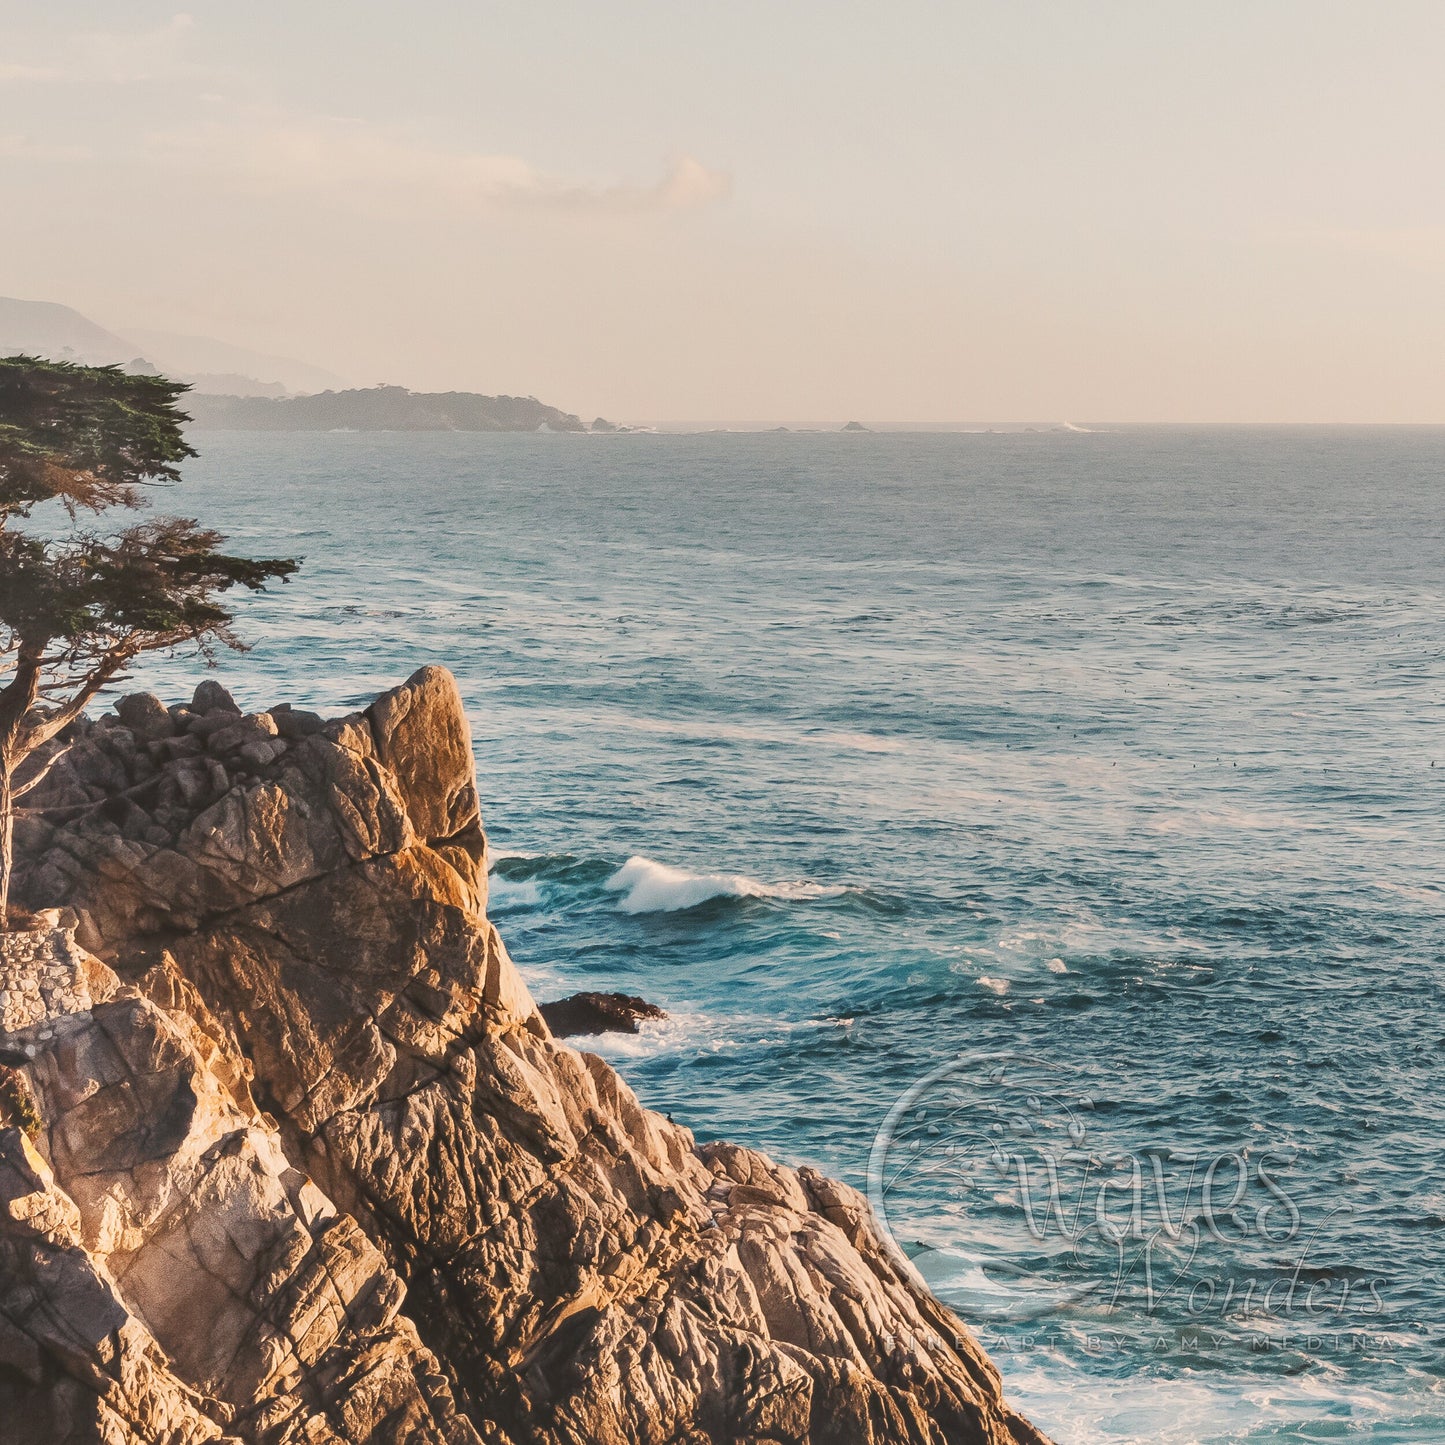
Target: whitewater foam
504	893
652	887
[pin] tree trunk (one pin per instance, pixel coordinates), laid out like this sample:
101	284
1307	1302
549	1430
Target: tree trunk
16	700
7	841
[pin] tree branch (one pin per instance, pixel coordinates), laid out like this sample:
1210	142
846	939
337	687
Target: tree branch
62	717
20	790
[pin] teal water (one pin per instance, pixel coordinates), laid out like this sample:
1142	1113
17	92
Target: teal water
1119	755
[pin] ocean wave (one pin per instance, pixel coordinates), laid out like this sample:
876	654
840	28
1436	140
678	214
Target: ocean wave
686	1032
716	730
692	1033
652	887
504	893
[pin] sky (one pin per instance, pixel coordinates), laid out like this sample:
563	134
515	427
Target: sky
1021	210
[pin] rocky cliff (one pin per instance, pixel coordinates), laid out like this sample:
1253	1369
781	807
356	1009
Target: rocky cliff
287	1153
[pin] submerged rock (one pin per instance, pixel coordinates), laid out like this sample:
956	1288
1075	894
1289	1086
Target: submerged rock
309	1165
598	1013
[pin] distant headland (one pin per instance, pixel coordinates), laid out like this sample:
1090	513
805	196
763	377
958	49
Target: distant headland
236	389
381	408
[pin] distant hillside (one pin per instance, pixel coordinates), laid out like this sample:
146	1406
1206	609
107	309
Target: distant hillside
250	391
231	383
45	328
380	408
214	366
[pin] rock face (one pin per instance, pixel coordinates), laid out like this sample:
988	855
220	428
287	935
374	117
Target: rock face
298	1159
167	1274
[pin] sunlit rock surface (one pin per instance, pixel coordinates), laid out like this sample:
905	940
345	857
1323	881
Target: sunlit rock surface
301	1161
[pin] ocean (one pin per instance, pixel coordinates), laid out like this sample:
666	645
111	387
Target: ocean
1042	831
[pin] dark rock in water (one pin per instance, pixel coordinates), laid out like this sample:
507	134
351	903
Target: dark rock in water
309	1168
602	424
857	426
598	1013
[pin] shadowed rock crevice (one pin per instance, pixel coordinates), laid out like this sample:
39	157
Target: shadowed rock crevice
311	1141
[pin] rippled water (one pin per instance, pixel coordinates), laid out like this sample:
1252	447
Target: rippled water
1116	758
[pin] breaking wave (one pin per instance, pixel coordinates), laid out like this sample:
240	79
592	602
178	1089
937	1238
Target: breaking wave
652	887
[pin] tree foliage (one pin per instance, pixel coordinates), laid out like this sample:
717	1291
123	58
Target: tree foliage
85	435
77	605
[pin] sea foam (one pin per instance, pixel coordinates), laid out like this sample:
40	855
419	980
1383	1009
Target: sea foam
652	887
503	893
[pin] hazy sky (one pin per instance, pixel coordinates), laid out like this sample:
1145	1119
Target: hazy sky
1082	210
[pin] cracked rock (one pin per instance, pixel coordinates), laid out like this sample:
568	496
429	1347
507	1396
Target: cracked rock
311	1167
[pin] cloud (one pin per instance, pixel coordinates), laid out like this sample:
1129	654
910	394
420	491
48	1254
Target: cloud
112	57
223	140
690	183
352	162
145	56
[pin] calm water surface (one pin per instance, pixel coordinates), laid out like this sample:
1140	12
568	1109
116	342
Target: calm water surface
1117	757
